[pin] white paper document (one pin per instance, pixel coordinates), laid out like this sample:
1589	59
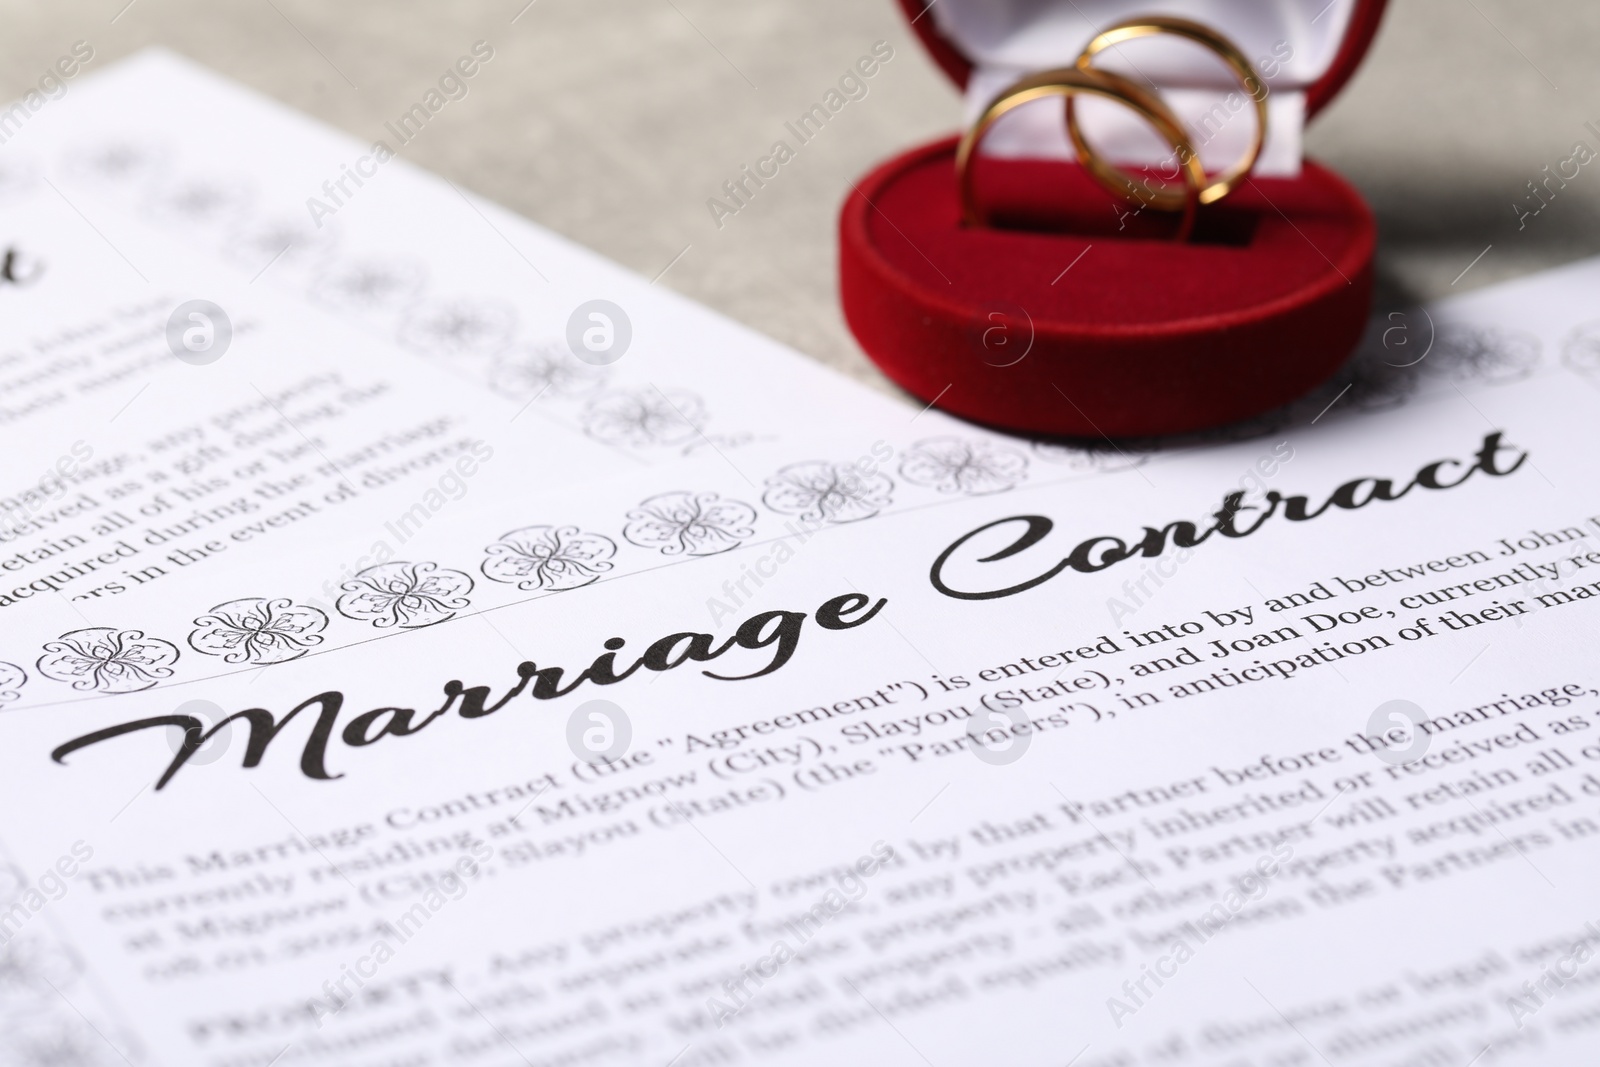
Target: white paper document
893	745
191	349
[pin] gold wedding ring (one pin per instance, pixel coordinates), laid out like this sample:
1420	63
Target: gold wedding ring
1069	82
1116	181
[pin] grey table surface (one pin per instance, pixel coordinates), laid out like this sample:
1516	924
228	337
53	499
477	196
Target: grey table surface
613	121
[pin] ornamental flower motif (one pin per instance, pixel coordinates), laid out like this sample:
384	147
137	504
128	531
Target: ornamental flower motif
404	595
645	417
549	557
954	465
544	370
259	243
1373	383
257	630
819	491
46	1040
367	285
459	327
31	964
1483	353
12	679
1582	349
108	660
119	162
1384	372
201	202
1077	458
690	524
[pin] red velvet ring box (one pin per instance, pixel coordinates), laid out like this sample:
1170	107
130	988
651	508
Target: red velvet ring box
1072	312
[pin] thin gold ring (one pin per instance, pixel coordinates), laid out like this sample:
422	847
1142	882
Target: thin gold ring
1115	180
1068	82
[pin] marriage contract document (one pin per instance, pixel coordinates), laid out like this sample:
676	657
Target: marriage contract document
901	744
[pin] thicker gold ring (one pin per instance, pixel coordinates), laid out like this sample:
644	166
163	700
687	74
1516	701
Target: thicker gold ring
1069	82
1168	199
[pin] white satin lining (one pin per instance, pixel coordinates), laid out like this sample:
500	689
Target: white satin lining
1291	42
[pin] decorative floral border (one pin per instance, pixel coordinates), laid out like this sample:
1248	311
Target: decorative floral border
401	595
392	295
